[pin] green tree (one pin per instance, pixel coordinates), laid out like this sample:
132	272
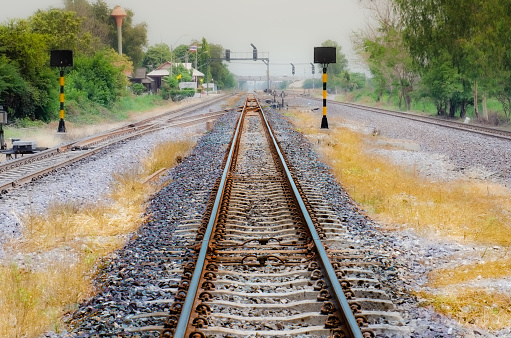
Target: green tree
457	34
134	38
203	59
182	54
223	78
99	28
28	52
335	70
60	28
95	28
156	55
382	48
99	79
13	88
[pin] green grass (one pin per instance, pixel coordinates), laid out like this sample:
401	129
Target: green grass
368	97
88	113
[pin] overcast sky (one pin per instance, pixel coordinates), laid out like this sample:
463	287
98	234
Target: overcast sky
285	30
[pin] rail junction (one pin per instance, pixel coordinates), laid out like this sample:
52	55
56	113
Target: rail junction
32	166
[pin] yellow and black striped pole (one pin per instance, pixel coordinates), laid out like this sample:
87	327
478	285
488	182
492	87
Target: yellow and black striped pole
62	125
324	121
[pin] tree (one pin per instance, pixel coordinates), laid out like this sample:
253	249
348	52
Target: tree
156	55
60	28
223	78
95	28
181	54
99	79
12	87
99	28
203	56
28	52
335	70
382	48
456	34
134	38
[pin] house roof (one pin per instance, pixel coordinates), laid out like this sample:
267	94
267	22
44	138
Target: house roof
168	64
140	73
166	72
159	72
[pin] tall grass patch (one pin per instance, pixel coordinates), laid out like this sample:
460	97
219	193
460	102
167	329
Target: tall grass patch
475	306
470	212
61	248
463	210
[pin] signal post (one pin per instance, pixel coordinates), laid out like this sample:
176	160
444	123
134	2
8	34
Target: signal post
324	56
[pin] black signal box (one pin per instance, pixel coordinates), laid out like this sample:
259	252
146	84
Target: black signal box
61	58
323	55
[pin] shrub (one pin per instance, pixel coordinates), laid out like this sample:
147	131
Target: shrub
138	88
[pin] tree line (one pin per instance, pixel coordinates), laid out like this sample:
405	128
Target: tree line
29	88
455	53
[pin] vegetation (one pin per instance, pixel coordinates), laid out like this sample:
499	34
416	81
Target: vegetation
463	211
29	88
35	295
451	53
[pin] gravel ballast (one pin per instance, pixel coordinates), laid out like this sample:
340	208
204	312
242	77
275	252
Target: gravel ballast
408	256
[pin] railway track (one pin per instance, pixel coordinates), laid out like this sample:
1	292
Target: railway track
28	168
469	127
268	258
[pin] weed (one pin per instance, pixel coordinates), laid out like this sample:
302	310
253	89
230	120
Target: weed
460	210
35	294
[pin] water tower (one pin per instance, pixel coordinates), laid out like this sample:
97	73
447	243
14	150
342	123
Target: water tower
119	13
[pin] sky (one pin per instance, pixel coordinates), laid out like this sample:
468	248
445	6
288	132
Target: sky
285	31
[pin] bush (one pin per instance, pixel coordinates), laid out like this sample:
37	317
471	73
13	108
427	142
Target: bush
138	88
178	95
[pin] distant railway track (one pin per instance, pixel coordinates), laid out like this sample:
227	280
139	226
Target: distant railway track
258	263
14	173
469	127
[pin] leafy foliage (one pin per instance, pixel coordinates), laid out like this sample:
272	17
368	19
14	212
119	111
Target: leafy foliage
59	28
444	50
138	88
156	55
99	78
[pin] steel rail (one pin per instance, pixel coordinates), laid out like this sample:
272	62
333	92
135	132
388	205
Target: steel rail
194	283
478	129
349	319
86	150
129	128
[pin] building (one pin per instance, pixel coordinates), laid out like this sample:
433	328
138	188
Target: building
164	70
140	76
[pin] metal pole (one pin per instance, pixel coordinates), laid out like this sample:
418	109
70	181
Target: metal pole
62	125
324	122
2	140
312	77
268	74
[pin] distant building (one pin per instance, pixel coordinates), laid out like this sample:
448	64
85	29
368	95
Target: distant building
164	70
140	76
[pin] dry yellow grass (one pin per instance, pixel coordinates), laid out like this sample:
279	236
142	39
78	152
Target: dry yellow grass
464	211
465	273
34	295
490	310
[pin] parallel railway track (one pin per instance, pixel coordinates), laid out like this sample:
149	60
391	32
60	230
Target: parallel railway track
14	173
469	127
269	258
